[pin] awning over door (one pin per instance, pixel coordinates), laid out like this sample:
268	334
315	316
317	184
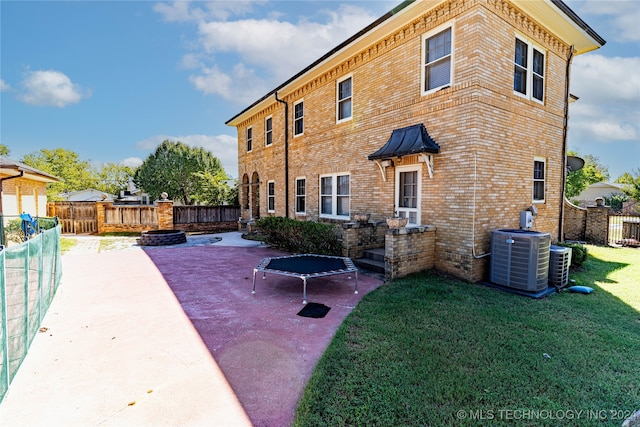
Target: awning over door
405	141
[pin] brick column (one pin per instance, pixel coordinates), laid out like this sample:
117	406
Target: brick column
597	225
101	216
165	214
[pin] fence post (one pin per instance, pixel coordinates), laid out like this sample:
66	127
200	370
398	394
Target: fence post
101	217
165	214
4	373
597	225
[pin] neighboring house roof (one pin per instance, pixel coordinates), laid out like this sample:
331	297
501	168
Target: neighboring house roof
409	140
87	195
600	189
11	168
554	15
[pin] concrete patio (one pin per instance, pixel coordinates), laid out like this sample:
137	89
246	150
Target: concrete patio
169	336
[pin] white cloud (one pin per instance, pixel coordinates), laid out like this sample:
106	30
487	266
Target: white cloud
241	60
51	88
224	147
620	17
133	162
4	86
185	10
609	91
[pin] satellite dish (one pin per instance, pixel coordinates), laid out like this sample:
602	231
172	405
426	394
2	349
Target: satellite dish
574	163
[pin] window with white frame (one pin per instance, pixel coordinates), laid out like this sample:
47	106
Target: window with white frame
268	131
271	196
408	193
528	72
344	98
539	171
334	196
298	118
249	139
301	195
437	59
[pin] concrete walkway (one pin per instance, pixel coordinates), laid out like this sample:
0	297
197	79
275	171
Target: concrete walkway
172	336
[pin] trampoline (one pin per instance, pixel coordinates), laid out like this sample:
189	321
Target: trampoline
305	267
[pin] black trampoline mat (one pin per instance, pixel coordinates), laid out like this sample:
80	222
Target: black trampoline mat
306	264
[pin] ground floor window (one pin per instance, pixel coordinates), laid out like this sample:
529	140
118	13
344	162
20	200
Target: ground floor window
271	196
335	196
538	179
408	193
301	196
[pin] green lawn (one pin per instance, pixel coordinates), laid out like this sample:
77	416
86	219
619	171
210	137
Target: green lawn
427	350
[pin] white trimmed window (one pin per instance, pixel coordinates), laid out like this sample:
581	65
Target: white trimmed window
528	70
539	174
344	97
249	139
298	118
408	193
271	196
268	131
437	59
301	196
334	196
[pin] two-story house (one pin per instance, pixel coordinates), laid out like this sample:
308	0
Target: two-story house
451	113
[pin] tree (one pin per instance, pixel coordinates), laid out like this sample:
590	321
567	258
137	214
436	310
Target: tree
214	189
4	150
181	171
631	184
66	165
113	177
590	173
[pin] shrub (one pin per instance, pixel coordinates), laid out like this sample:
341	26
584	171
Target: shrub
578	252
300	236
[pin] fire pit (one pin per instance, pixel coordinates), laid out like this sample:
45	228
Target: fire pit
162	237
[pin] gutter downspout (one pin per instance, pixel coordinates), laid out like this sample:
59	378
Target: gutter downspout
286	154
565	128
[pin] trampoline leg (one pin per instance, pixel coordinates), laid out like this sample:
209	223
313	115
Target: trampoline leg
264	276
356	291
254	281
304	290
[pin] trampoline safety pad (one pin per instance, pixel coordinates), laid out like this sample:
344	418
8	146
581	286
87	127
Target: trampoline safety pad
305	267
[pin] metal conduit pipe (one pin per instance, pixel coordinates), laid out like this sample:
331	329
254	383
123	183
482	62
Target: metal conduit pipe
286	154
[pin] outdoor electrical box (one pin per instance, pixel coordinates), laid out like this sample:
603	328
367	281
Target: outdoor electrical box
526	220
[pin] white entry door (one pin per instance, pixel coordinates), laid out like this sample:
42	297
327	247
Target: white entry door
408	193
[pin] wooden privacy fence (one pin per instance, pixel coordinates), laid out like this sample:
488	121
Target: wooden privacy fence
106	217
198	218
74	217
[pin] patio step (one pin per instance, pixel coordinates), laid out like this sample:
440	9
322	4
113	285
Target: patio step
373	260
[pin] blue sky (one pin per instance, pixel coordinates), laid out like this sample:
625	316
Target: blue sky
110	80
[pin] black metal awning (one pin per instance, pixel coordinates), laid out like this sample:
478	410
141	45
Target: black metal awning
410	140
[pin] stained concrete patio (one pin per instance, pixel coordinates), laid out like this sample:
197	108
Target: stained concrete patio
173	336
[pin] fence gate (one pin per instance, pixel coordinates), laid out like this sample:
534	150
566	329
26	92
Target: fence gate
624	230
75	217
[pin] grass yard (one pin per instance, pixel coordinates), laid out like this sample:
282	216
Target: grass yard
427	350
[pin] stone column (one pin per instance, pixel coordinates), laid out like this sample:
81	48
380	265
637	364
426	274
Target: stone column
165	214
597	225
101	217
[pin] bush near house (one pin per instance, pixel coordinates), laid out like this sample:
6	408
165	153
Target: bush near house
578	252
300	236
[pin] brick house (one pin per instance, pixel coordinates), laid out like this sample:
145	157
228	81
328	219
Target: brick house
23	189
451	113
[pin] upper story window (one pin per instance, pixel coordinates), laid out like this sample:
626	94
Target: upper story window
436	60
528	72
298	118
301	202
538	179
344	98
271	196
249	139
268	131
334	196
